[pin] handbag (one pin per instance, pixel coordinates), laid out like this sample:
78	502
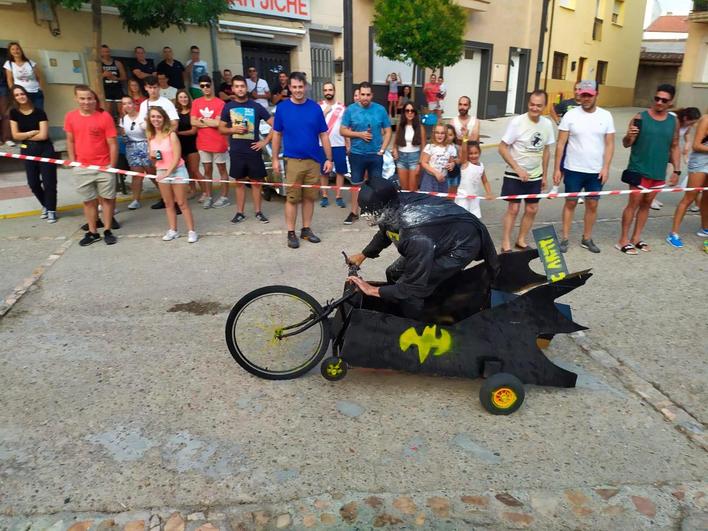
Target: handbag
630	177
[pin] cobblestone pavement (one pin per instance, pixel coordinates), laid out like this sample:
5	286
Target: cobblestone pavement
121	407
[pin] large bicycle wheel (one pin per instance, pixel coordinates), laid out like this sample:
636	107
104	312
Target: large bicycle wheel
257	323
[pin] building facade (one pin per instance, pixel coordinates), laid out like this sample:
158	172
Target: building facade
496	70
663	48
305	35
594	39
693	78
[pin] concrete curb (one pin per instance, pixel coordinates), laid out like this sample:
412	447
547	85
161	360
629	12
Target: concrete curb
66	208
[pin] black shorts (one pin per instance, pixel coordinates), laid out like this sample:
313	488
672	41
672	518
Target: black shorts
513	186
251	166
113	92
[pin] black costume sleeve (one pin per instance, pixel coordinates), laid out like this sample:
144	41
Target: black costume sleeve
419	252
377	244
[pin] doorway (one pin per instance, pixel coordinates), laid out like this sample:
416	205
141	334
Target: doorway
581	68
517	79
463	79
268	60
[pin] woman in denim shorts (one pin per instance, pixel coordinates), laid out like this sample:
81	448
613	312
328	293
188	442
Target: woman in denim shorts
410	137
136	147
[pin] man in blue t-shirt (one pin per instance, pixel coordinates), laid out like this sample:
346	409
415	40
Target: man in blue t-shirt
368	126
240	120
300	125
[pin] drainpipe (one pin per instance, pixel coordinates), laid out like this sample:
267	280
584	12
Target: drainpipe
348	50
214	52
541	42
550	40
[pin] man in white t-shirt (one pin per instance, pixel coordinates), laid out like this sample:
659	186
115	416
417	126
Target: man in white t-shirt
258	89
525	149
587	135
333	111
193	70
155	100
166	91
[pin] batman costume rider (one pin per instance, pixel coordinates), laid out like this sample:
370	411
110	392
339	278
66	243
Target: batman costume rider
435	237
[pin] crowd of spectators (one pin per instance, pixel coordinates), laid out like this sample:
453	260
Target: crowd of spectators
175	125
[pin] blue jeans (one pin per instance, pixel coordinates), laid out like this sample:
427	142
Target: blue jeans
371	164
37	99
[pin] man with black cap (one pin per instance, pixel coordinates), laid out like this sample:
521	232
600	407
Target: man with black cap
435	237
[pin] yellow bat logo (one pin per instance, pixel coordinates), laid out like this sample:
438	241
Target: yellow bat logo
426	342
393	236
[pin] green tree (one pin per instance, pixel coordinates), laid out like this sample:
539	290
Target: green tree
142	16
429	33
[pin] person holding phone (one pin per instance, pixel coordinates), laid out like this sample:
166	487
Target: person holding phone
653	136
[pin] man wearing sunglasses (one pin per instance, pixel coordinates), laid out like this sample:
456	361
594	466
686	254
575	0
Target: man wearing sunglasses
653	136
194	69
211	144
258	88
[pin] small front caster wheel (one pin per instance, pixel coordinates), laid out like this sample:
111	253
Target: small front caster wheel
334	369
502	394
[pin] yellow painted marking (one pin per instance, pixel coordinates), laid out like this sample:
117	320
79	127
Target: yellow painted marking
428	342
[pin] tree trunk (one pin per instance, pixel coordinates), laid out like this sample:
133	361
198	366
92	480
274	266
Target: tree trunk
413	82
94	62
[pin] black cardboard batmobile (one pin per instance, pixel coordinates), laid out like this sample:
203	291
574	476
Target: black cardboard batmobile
472	327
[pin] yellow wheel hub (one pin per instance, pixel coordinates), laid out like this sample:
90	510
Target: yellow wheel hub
334	370
504	398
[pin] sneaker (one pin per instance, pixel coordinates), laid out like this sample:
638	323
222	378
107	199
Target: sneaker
674	240
261	217
238	218
351	218
201	198
581	200
656	205
564	246
221	202
89	238
43	215
208	202
159	205
324	202
192	237
340	202
114	224
694	208
170	235
109	238
134	205
293	241
51	216
703	233
307	234
10	143
589	245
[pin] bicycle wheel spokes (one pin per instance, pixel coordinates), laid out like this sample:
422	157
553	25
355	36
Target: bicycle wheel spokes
258	328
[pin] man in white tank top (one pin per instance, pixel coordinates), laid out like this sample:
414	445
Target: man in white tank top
466	126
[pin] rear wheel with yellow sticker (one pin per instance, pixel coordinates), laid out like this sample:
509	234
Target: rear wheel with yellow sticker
334	369
502	394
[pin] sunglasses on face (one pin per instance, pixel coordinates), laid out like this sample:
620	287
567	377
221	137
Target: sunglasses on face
204	85
410	111
660	99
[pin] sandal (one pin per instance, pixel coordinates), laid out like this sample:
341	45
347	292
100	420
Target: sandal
627	249
522	247
504	251
642	246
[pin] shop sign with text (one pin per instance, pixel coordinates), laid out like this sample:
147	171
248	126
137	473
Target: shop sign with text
299	9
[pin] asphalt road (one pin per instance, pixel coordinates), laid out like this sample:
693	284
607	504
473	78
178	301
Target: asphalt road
120	399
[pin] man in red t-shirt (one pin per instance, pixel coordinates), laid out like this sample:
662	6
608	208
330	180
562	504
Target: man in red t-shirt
212	145
91	139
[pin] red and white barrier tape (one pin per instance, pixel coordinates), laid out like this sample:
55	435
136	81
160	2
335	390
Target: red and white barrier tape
109	169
